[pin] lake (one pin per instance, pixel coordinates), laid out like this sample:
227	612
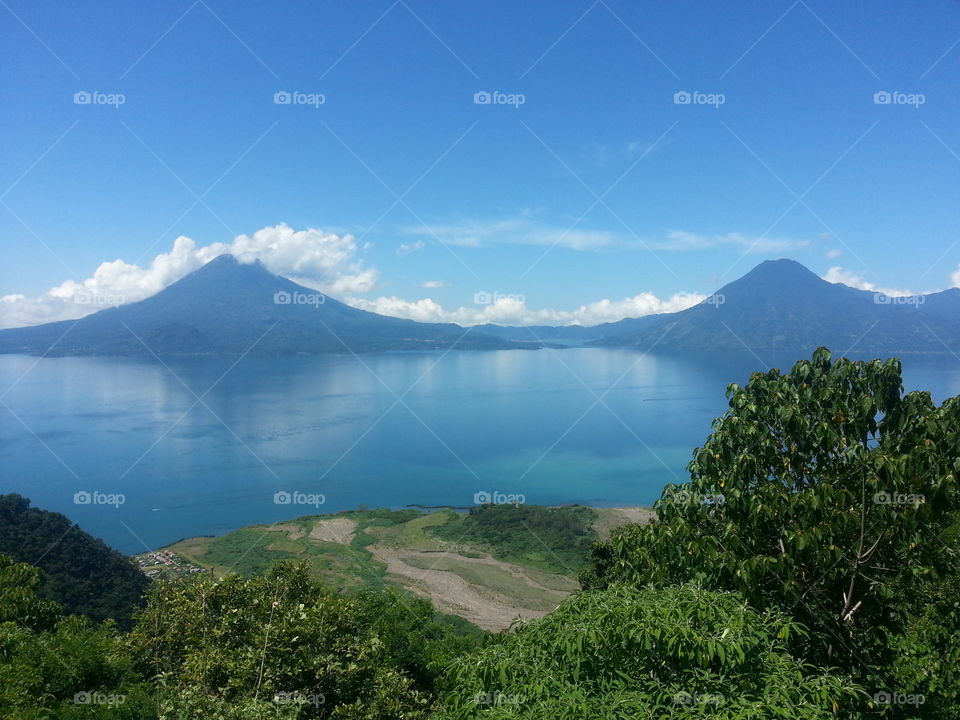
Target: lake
142	454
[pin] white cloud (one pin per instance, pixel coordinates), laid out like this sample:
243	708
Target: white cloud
407	248
683	240
357	280
520	230
321	260
833	254
525	229
837	274
955	278
513	310
328	262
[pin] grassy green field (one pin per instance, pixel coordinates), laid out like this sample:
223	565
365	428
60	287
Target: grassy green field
522	558
251	550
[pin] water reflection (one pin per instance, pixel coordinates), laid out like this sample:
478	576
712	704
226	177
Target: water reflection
514	421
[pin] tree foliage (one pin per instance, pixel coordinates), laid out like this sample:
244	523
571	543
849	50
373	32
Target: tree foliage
81	573
556	539
59	667
245	645
625	652
826	493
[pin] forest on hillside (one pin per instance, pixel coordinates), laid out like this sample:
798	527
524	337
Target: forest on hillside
83	574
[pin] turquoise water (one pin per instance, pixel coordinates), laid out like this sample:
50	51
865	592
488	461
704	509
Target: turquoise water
332	428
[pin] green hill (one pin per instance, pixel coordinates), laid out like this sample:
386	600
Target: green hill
80	572
489	566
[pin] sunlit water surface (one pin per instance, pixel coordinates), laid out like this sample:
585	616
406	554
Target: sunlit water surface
202	445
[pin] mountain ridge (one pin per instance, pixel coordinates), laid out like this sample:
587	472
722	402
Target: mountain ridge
231	307
782	305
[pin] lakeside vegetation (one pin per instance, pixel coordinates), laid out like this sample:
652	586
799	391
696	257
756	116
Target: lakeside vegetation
80	573
808	570
553	539
501	569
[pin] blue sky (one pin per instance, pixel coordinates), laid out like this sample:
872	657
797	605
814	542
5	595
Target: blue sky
599	186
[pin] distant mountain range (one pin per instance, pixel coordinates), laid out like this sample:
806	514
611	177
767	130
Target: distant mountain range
781	305
228	307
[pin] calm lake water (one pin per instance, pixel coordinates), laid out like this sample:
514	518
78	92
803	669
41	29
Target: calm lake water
202	446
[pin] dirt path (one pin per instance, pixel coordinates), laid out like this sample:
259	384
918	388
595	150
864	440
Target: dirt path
451	594
445	589
612	518
338	530
482	559
639	515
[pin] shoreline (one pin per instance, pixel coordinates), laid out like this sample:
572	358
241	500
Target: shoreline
489	577
642	513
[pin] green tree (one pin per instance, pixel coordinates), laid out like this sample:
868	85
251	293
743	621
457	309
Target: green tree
246	647
80	572
556	539
19	603
626	652
417	639
59	667
826	493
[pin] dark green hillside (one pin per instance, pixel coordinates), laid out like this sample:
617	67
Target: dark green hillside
556	539
80	572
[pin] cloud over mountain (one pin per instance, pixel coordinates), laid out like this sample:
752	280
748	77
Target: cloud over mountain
513	309
837	274
312	257
332	263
